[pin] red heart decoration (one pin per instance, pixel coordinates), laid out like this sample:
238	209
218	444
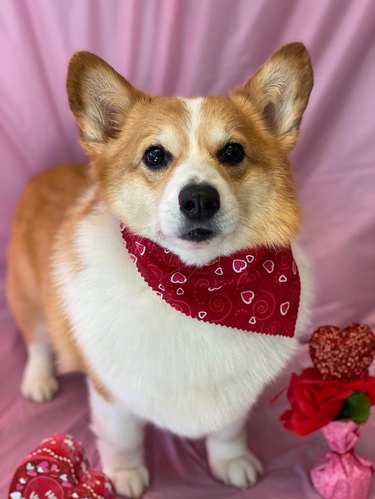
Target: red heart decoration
343	354
63	469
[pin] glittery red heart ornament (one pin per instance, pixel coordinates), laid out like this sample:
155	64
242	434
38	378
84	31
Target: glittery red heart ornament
343	354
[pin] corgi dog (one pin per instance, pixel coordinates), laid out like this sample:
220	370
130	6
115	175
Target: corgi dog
111	264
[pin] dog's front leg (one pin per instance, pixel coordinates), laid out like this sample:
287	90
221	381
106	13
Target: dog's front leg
120	436
229	458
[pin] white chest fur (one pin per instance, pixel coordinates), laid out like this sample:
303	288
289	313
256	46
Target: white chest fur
179	373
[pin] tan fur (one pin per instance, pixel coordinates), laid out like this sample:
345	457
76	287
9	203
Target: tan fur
40	212
41	216
280	90
117	123
265	160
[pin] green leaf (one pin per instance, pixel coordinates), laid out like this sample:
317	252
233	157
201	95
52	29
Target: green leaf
356	407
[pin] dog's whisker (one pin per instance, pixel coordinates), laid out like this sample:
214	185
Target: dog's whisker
250	228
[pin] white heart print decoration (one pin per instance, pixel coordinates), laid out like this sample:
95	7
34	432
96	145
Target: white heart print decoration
252	320
239	265
180	291
284	308
202	314
249	258
141	248
269	266
247	296
219	271
133	258
282	278
178	278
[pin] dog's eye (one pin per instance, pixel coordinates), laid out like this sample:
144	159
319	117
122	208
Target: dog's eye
231	154
156	157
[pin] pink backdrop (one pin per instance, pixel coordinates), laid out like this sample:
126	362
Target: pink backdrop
198	47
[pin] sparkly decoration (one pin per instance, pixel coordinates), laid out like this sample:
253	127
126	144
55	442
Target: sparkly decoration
336	395
343	354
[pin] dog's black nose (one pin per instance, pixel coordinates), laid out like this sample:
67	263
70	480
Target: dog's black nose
199	201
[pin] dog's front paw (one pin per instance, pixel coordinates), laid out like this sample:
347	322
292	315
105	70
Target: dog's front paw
240	471
130	482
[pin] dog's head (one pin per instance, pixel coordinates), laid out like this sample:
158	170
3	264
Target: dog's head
202	177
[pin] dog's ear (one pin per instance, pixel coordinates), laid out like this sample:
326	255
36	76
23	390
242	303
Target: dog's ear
280	90
99	98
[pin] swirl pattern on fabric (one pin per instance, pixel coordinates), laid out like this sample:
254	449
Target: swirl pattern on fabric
255	290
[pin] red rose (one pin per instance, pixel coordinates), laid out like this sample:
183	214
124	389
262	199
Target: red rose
316	402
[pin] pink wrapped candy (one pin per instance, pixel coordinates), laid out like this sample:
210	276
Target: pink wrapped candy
58	469
342	474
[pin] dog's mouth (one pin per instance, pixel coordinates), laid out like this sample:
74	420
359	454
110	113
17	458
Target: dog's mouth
198	235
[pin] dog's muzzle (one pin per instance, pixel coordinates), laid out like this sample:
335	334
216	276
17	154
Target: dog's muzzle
198	204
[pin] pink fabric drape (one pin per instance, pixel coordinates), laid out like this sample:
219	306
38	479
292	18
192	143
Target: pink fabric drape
198	47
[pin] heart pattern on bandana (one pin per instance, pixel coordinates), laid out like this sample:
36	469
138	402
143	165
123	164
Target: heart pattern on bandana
284	308
247	296
141	248
133	258
178	278
256	286
269	265
239	265
294	268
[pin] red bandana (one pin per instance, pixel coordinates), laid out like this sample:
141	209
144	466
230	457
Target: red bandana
253	290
